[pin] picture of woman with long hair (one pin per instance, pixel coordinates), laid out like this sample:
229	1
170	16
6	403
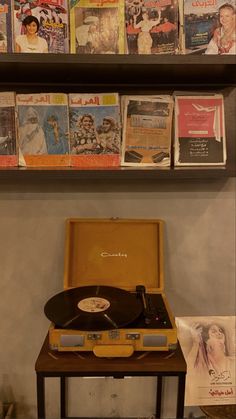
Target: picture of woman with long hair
224	37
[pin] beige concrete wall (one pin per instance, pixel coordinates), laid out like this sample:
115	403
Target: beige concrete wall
199	275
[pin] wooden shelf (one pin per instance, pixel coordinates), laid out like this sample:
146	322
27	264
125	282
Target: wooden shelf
52	69
120	173
125	74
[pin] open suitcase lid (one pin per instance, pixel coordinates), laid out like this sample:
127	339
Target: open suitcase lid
114	252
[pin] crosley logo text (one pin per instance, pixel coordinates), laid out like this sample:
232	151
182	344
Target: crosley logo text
112	255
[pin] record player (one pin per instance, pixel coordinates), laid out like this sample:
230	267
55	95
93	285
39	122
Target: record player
113	301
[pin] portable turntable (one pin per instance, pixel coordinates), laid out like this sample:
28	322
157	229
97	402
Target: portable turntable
113	301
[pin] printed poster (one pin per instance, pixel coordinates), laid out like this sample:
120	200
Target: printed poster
200	130
208	345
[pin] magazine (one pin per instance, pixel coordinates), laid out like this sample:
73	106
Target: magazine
208	345
8	144
199	130
95	135
205	25
43	129
97	27
41	26
5	26
146	139
151	27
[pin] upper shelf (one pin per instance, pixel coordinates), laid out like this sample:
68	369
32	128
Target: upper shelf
146	70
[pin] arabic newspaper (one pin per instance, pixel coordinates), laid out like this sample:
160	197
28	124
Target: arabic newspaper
5	26
43	129
52	20
199	130
8	144
95	135
147	122
97	26
151	26
208	345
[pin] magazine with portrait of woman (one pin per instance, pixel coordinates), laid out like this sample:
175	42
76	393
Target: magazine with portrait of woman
208	345
209	27
40	27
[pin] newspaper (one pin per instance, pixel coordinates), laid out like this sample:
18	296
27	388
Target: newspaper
146	137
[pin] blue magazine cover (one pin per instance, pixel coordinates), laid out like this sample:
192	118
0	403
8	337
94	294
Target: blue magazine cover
43	129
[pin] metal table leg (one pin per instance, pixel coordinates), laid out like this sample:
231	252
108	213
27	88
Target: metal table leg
63	397
40	396
180	399
158	397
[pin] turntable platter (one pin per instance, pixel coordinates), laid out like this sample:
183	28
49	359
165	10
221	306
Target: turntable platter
93	308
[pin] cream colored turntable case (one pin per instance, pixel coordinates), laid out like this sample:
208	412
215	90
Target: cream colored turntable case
121	253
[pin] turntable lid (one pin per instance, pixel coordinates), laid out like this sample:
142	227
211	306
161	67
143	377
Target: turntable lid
116	252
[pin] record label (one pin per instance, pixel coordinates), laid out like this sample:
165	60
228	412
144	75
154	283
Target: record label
93	304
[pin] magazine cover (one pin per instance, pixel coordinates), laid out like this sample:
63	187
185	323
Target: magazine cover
8	145
41	26
151	26
147	131
5	26
199	130
97	27
208	345
209	27
43	129
94	129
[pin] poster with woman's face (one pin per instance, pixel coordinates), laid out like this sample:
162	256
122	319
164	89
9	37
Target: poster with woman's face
208	345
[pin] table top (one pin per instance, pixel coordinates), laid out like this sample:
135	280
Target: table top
220	411
150	363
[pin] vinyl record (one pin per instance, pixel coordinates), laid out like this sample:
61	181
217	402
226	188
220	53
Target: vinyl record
93	308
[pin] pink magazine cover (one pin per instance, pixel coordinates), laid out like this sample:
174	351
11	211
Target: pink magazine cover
41	26
199	130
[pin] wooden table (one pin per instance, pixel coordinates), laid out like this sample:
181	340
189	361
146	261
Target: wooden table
86	364
227	411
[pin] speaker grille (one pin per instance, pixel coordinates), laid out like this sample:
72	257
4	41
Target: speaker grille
72	340
154	340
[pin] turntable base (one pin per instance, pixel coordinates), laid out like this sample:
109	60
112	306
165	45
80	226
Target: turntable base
74	364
